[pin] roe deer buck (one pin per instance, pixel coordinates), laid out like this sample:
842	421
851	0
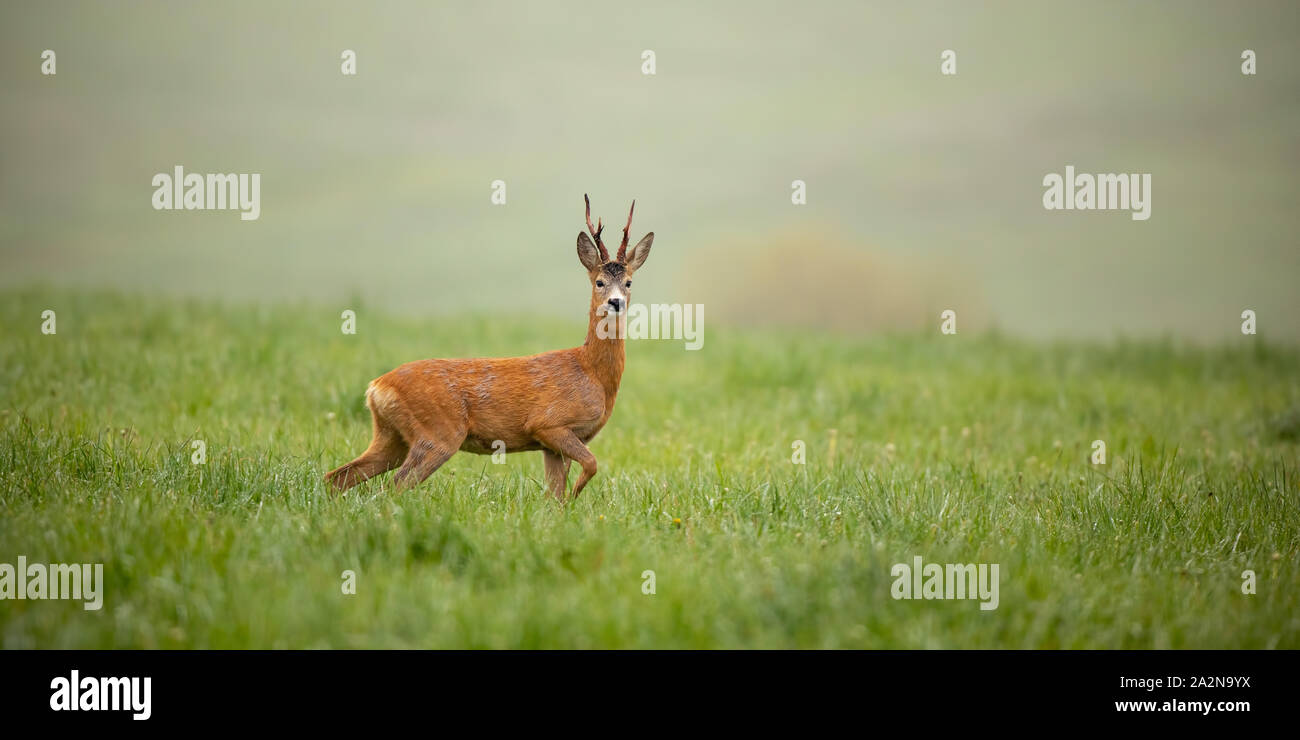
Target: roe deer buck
425	411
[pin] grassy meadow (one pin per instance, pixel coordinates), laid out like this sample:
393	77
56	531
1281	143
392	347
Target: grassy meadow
965	448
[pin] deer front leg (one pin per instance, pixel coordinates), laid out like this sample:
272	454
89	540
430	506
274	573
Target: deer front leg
557	473
565	442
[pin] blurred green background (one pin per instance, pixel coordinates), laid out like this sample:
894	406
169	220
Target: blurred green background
924	191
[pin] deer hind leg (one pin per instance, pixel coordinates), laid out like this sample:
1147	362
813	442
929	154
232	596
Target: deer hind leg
557	472
566	443
427	454
386	451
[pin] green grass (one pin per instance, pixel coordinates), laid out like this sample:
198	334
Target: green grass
968	448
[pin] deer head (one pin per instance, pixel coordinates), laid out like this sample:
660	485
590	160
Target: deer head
611	279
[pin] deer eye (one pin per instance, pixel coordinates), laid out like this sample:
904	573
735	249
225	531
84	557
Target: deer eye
628	284
600	283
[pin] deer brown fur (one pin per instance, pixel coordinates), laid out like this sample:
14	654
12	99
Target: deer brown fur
423	412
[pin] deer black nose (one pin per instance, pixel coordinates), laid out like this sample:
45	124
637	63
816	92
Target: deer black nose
616	304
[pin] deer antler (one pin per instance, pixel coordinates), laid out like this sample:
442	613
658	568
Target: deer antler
622	248
595	230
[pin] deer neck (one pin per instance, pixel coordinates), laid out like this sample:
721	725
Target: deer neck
603	351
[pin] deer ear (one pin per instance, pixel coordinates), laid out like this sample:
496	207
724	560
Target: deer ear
587	253
640	252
